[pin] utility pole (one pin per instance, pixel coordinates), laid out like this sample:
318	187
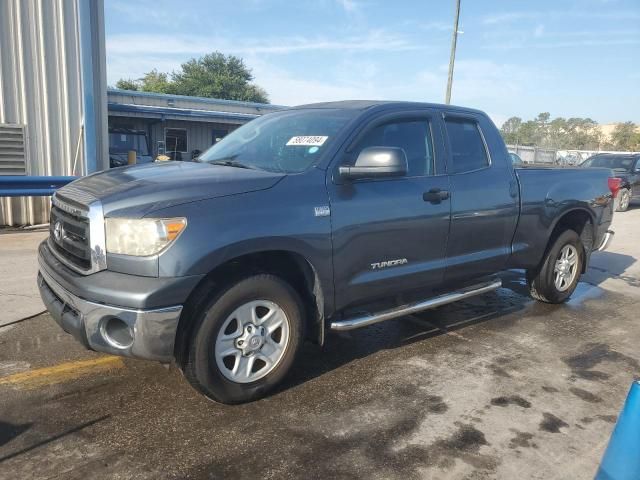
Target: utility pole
452	59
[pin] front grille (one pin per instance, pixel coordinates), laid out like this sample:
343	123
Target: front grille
69	237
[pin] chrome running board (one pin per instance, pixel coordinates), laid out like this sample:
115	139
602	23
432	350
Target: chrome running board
370	319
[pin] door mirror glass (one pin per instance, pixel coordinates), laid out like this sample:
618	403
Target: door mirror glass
377	162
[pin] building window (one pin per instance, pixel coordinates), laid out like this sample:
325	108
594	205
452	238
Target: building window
217	135
175	140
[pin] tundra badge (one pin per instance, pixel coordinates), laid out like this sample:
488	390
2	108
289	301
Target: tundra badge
388	263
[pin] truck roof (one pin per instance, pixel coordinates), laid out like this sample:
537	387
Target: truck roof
367	104
617	155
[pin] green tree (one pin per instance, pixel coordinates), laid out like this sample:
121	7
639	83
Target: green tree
218	76
559	133
214	75
127	84
626	137
157	82
530	133
510	130
542	120
582	134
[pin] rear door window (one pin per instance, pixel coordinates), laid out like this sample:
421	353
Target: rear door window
468	152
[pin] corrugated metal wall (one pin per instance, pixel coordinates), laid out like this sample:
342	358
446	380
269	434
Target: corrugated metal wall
47	86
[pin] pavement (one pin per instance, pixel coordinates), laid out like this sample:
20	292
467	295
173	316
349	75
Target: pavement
498	386
19	295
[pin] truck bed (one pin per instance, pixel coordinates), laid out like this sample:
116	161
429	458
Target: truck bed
546	195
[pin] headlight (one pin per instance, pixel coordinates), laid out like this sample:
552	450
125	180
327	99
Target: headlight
142	237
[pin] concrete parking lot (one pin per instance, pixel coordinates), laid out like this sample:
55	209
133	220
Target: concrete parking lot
495	387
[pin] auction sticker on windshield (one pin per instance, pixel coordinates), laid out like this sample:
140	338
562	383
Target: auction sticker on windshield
307	141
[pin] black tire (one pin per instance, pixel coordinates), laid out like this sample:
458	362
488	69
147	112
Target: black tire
541	282
200	367
624	199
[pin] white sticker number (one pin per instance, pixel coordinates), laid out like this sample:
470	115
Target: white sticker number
307	141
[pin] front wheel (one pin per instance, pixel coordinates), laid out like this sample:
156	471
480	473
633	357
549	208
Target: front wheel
245	340
557	278
624	199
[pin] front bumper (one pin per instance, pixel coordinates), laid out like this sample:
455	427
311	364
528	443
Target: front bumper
148	334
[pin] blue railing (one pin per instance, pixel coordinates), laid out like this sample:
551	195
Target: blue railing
31	186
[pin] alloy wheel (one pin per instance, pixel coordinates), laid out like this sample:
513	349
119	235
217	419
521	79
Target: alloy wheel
252	341
566	268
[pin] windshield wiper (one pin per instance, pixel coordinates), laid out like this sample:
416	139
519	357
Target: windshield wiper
230	163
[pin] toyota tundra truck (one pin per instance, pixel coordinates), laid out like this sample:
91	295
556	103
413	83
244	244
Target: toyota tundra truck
329	216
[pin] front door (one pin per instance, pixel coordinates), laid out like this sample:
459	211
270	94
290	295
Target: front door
390	235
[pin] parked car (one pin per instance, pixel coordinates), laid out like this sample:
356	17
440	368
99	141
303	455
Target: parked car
571	159
323	217
516	160
124	140
626	168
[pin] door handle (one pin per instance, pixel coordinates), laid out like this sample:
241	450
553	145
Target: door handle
435	195
513	189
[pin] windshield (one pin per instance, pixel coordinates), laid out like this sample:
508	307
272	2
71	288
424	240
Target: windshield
616	163
123	142
288	141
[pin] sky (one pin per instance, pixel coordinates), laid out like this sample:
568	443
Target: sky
572	58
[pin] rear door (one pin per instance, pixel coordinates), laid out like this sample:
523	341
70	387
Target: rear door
390	235
484	198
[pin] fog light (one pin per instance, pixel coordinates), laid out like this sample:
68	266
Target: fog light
117	333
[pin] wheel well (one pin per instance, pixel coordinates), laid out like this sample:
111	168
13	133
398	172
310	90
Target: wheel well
291	267
580	222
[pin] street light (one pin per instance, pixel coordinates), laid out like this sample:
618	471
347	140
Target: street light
452	59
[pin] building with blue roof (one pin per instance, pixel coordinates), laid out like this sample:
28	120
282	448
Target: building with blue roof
176	125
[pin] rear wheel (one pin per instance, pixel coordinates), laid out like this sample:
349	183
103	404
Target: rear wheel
245	340
624	199
558	276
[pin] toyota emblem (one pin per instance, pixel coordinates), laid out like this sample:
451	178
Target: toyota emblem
57	231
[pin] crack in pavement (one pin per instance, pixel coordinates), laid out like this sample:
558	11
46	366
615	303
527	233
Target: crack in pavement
18	295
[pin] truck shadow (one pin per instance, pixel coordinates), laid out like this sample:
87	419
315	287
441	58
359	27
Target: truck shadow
9	431
605	265
341	348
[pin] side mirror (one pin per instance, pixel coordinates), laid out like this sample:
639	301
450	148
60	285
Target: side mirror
377	162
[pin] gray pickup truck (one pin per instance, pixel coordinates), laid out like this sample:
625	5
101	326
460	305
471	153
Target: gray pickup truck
322	217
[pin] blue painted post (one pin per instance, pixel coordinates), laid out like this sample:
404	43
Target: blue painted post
89	99
621	460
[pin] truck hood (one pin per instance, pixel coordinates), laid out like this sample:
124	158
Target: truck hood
139	190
